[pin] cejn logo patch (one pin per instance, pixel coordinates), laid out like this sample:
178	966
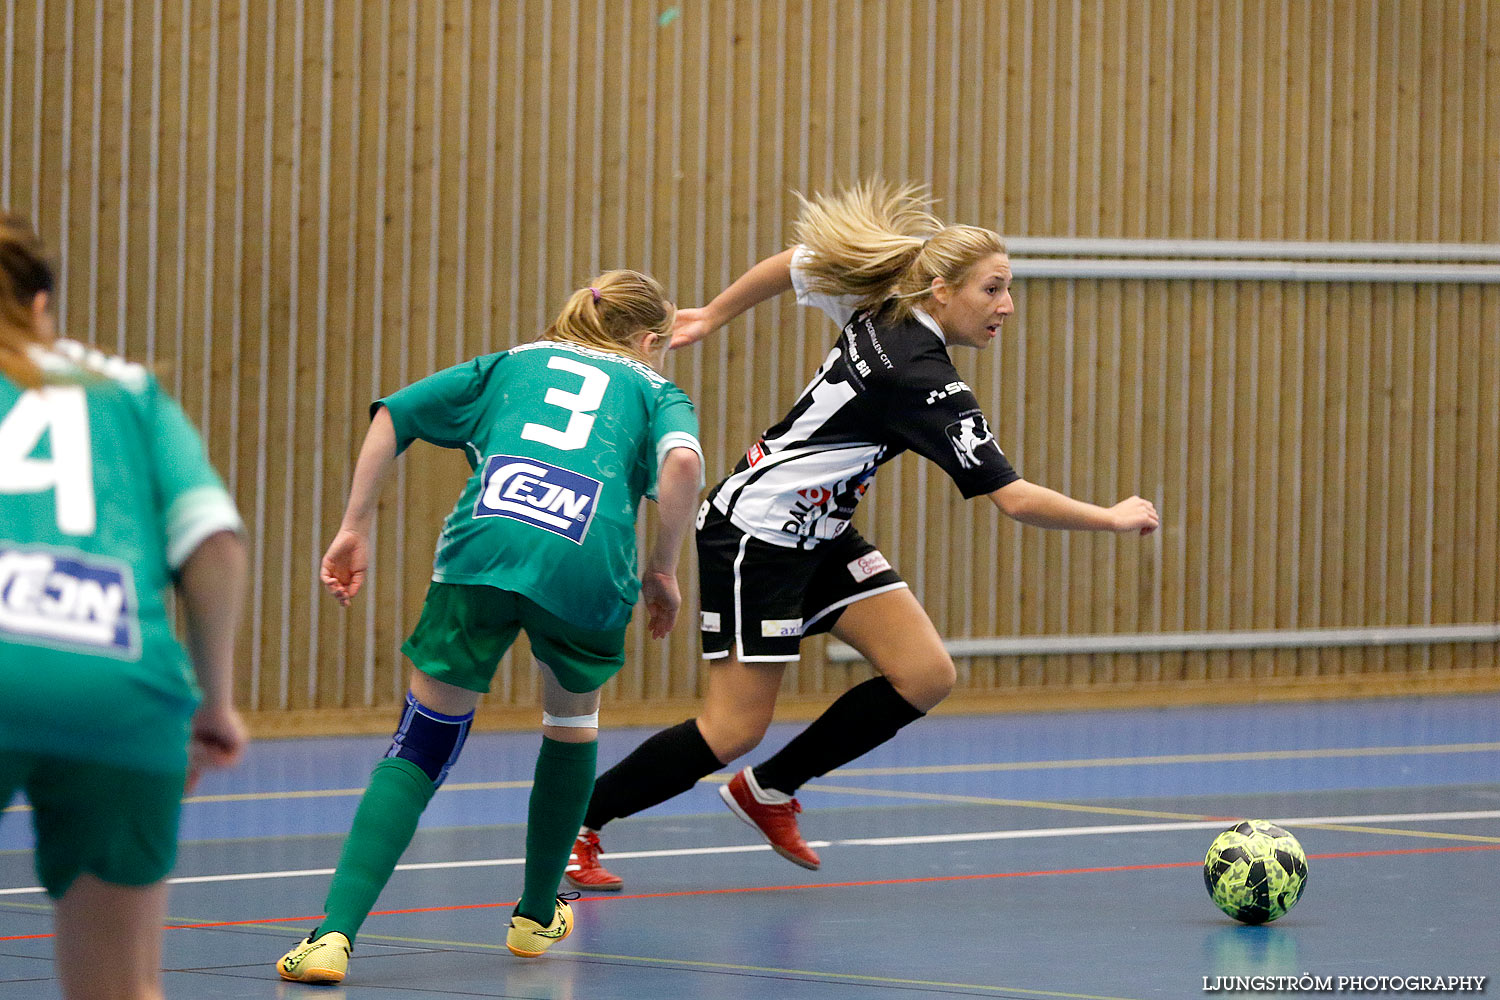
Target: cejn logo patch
544	496
73	601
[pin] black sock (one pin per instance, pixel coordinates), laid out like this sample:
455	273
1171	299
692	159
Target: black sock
864	717
666	765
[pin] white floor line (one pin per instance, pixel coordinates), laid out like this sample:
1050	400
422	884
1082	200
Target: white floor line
1211	824
938	838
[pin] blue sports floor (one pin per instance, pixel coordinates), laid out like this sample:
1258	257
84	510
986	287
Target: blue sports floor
1024	856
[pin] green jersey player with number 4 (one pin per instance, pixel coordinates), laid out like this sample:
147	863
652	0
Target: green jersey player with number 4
106	500
565	436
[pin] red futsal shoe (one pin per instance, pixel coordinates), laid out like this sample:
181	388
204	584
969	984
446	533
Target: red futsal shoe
776	821
584	870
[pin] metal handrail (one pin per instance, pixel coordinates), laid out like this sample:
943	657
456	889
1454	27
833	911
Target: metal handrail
1185	642
1254	270
1075	246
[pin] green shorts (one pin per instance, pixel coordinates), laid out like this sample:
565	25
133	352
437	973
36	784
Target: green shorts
115	823
465	629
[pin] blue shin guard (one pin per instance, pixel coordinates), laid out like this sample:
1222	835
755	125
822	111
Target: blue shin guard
430	740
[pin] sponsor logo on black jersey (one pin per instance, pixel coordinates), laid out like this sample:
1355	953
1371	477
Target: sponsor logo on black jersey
544	496
816	502
74	601
873	332
968	435
951	389
861	366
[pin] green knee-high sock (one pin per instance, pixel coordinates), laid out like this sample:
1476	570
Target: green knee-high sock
383	826
559	796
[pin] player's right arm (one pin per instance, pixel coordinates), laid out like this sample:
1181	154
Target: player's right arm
765	280
348	556
440	409
1041	507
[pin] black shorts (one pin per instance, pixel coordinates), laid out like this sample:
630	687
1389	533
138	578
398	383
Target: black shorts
760	599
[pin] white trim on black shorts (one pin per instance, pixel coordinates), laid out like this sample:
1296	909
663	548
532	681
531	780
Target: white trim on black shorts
739	616
809	623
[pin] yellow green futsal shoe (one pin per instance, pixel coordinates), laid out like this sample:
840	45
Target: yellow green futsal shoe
324	960
529	939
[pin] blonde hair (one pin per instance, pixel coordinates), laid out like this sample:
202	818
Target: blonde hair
610	313
882	245
24	271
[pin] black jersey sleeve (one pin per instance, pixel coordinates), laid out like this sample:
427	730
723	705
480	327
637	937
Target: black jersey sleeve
931	410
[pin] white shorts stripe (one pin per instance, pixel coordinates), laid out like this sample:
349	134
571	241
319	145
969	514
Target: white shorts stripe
739	604
850	600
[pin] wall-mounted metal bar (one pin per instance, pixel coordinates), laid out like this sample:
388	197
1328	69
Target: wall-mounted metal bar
1182	642
1255	270
1069	246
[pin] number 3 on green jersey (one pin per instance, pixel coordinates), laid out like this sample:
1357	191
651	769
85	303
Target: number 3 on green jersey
581	406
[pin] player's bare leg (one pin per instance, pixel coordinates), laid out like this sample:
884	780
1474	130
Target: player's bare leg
108	941
738	705
892	631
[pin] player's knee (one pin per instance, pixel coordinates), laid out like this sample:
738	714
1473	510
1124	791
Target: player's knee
737	747
732	738
929	684
568	716
429	739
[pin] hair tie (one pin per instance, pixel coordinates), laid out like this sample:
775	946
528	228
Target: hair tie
596	294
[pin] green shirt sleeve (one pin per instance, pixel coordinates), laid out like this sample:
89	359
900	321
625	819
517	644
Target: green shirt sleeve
194	503
674	424
443	408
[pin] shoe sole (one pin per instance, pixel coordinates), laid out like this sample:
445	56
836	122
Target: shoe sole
734	807
313	976
587	887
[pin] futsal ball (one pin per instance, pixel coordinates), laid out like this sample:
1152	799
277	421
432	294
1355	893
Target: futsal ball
1255	871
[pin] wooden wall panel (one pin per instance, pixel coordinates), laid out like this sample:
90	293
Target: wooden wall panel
292	207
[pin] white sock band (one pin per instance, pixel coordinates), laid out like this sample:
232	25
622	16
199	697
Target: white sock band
571	721
768	796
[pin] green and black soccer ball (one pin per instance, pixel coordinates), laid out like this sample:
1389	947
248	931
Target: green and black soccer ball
1255	871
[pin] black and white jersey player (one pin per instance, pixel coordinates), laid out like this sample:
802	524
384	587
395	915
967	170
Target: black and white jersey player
777	557
883	389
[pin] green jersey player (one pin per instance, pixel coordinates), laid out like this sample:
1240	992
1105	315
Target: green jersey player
565	436
106	500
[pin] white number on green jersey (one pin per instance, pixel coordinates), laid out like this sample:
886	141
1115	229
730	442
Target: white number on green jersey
580	406
62	410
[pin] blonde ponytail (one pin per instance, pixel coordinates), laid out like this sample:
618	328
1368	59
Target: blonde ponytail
611	313
881	245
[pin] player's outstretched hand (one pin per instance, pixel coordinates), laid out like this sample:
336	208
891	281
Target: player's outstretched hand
659	591
1135	515
218	738
344	565
689	327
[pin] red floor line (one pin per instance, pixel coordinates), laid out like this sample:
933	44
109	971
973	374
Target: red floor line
813	885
